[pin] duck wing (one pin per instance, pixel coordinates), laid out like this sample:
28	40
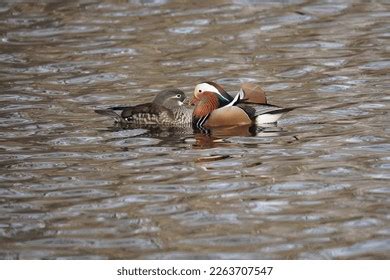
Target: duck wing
148	113
253	93
238	98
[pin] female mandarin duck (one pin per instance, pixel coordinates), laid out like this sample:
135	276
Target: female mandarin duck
215	107
166	109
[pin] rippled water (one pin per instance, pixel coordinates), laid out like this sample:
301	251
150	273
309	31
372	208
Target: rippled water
74	186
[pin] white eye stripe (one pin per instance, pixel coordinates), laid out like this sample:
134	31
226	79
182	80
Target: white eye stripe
207	87
175	96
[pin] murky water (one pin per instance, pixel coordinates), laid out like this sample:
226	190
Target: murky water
74	186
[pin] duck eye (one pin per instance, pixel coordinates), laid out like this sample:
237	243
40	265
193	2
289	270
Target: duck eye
178	95
200	90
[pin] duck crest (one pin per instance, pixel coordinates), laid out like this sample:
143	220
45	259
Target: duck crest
223	96
208	86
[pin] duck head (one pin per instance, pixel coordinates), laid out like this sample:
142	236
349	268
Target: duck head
223	97
170	99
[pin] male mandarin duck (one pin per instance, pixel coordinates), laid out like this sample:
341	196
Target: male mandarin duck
166	109
215	107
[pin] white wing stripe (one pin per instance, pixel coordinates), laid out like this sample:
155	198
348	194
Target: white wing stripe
239	96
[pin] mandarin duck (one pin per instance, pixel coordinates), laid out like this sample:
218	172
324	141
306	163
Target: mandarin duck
166	109
215	107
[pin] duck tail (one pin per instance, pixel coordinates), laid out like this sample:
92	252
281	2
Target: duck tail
272	116
109	112
118	108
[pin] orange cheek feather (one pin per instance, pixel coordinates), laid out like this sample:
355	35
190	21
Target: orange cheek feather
205	105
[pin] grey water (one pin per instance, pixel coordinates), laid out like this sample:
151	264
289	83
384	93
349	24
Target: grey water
74	186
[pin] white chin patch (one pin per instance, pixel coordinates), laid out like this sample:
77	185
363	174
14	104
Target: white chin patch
268	118
180	103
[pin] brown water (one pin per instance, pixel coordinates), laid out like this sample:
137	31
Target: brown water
73	186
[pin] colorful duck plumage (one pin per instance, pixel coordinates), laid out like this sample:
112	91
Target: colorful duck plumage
212	107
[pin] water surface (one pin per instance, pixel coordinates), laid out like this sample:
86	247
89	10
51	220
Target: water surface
74	186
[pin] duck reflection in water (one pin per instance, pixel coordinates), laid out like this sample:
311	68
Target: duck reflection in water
200	138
